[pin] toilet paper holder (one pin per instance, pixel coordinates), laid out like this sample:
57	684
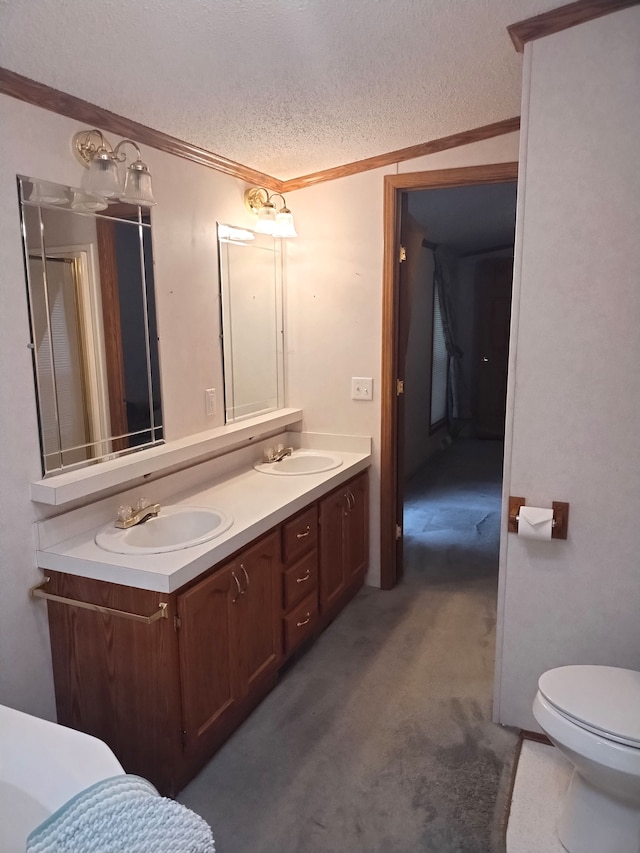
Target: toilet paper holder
560	516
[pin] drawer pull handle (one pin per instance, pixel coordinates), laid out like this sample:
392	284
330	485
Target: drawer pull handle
305	534
306	621
246	577
304	577
240	592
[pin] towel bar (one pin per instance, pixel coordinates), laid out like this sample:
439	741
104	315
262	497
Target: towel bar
39	592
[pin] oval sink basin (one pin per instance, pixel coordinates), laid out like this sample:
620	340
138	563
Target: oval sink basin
174	528
301	462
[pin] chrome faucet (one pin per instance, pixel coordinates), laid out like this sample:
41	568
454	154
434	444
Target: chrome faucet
277	454
128	516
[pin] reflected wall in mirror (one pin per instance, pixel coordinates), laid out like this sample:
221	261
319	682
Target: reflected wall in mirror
252	322
89	271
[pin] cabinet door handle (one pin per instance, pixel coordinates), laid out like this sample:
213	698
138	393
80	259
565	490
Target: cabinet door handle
305	534
304	577
246	577
306	621
353	498
239	593
347	497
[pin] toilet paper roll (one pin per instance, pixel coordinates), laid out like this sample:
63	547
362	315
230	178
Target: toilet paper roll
535	522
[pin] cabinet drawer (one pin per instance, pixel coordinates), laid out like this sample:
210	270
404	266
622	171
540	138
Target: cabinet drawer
299	624
299	535
300	580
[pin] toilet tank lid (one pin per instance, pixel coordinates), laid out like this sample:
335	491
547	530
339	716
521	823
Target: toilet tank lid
604	698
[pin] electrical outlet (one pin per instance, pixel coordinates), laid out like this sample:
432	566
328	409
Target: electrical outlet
210	401
361	388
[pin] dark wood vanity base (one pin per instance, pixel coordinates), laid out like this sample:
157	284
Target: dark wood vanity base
165	696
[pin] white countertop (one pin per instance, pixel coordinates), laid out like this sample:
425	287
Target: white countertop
257	502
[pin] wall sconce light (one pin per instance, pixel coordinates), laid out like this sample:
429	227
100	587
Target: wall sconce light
276	223
103	178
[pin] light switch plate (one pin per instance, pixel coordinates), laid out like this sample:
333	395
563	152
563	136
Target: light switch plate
210	401
361	388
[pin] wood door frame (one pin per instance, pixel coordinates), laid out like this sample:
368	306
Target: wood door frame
394	187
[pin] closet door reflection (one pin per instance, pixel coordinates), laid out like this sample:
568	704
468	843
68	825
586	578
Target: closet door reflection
63	402
93	328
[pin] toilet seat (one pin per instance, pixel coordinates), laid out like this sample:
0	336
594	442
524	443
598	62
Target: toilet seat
603	700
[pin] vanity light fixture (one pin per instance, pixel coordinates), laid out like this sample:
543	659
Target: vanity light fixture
277	223
102	179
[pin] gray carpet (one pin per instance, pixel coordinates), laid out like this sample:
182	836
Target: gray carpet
379	738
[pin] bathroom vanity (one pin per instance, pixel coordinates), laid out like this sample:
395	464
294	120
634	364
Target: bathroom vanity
166	691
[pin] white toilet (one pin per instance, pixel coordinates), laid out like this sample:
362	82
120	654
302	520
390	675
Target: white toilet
592	714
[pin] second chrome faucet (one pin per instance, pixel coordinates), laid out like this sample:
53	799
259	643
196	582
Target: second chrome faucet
277	454
144	510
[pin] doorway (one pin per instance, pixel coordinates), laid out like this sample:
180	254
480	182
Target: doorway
396	312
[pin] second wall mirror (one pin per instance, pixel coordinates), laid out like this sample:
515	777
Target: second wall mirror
251	279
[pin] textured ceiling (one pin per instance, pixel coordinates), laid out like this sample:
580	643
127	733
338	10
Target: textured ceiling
284	86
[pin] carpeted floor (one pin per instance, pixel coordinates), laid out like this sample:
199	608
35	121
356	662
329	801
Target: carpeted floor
379	738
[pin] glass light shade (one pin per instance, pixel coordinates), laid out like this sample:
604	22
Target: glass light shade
137	186
102	178
44	192
266	219
284	224
87	202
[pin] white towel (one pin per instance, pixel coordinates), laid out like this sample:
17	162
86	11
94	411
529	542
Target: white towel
123	814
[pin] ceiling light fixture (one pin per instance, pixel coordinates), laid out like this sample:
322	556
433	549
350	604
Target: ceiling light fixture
276	223
103	179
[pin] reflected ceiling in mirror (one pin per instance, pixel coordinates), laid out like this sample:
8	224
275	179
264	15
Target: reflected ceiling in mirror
89	270
252	322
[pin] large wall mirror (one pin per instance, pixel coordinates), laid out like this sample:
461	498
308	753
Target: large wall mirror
252	322
89	271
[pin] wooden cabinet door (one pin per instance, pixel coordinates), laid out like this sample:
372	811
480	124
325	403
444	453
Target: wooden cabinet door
356	528
333	581
344	540
208	672
257	615
117	679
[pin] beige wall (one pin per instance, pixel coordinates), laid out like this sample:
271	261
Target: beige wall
334	296
574	388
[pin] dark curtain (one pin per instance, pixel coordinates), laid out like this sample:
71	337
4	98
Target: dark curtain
442	282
